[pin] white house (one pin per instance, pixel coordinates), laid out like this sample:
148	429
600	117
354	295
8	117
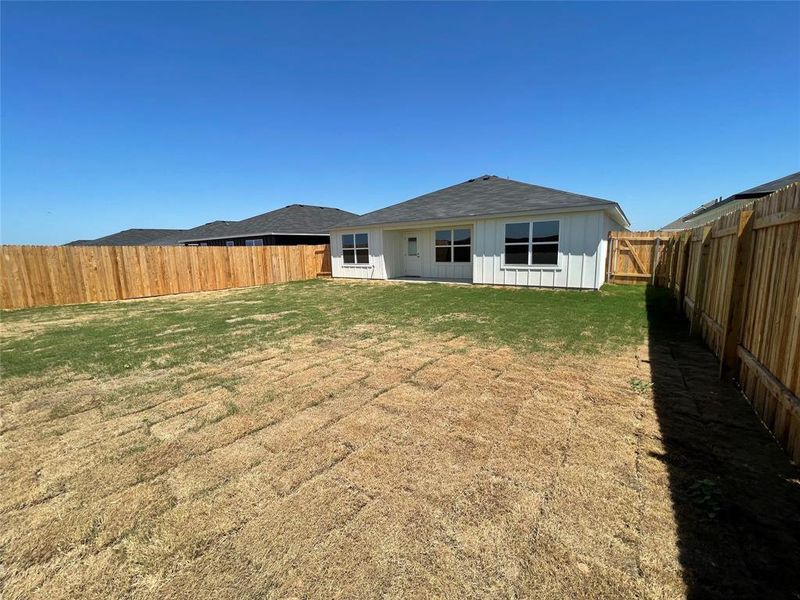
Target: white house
486	230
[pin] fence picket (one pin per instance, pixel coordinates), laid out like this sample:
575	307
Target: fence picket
740	288
46	275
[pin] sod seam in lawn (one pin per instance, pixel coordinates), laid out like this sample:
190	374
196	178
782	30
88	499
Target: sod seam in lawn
114	337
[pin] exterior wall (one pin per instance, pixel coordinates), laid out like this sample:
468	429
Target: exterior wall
425	244
376	269
393	253
580	260
387	254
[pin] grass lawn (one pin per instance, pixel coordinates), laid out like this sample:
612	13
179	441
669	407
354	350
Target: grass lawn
361	440
111	338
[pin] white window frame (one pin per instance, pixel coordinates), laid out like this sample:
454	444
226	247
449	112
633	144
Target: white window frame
355	250
530	243
416	245
452	246
230	243
254	242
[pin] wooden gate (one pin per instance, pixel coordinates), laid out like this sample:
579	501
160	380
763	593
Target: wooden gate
632	255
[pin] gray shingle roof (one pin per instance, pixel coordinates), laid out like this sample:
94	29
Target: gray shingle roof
128	237
295	218
482	196
705	213
209	229
771	186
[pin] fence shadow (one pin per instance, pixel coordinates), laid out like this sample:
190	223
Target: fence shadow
735	495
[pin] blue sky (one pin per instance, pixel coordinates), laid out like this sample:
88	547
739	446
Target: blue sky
118	115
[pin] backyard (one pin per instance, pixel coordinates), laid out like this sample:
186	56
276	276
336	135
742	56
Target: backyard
358	440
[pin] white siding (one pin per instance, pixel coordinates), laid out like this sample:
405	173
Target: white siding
376	269
427	254
393	253
580	261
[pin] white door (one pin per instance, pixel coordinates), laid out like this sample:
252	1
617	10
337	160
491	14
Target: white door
413	264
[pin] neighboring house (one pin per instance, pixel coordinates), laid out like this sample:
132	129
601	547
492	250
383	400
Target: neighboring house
486	230
287	226
129	237
716	208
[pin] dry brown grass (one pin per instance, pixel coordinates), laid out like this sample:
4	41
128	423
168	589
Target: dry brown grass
382	464
387	465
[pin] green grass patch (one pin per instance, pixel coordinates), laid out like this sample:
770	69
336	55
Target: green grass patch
117	337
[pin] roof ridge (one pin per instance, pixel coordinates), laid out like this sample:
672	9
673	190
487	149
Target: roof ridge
484	195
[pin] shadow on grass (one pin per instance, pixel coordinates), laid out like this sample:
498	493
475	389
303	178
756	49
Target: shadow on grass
735	495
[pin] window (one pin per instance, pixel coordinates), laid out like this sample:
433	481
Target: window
517	243
355	248
229	242
533	243
412	246
204	243
255	242
453	245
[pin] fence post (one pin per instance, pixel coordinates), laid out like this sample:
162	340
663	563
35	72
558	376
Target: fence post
685	244
655	261
673	264
612	257
700	292
732	328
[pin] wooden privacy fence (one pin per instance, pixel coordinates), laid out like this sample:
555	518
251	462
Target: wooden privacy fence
633	255
737	280
46	275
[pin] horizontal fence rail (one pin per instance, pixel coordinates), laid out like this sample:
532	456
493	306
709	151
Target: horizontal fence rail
737	280
47	275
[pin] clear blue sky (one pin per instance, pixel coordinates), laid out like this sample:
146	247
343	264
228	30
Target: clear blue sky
120	115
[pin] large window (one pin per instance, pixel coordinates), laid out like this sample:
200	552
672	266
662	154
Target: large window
533	243
255	242
453	245
355	248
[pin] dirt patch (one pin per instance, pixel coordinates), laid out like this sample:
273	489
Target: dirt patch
22	329
261	317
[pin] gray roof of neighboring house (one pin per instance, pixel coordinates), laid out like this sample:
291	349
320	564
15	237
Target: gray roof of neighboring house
129	237
292	219
705	213
481	196
771	186
174	239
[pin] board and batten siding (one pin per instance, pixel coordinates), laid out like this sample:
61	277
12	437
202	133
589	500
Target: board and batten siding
583	247
426	244
581	252
376	269
387	254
